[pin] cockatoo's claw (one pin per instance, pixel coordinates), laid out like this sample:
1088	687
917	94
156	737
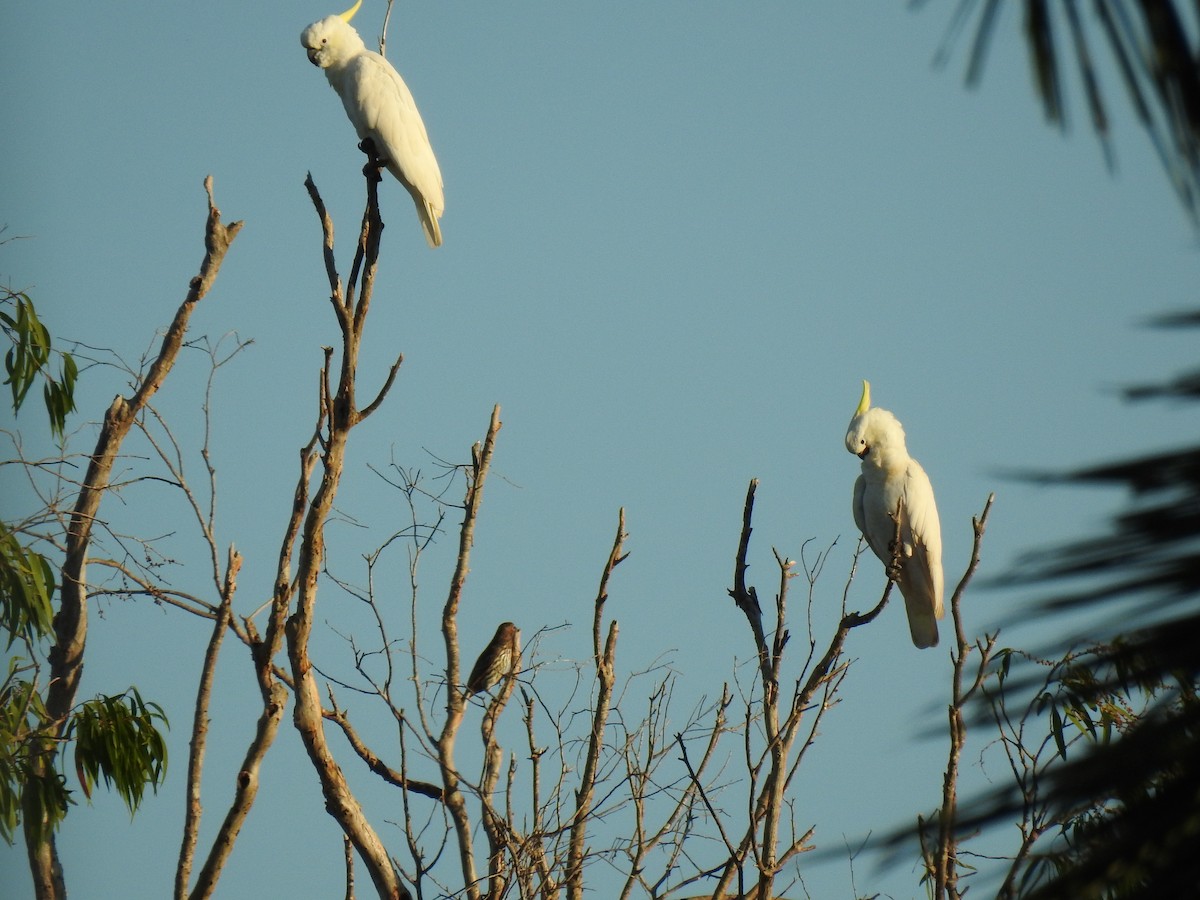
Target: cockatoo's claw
374	163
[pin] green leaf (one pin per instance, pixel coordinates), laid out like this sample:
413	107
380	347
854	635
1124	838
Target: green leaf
29	359
26	791
1005	657
1056	729
26	588
117	740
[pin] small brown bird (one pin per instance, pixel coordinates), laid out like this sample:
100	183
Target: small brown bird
496	660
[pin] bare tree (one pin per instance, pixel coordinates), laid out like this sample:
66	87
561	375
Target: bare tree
71	620
592	780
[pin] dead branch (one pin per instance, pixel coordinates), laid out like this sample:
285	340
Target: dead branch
340	718
198	744
772	769
455	700
340	414
945	854
70	622
605	660
348	856
676	824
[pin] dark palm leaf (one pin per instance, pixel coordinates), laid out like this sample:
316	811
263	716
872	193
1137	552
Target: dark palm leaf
1146	782
1149	43
1133	803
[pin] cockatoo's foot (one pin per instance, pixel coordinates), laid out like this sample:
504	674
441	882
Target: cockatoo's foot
374	163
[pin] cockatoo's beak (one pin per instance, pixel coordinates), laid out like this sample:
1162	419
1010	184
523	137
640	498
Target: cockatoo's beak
312	56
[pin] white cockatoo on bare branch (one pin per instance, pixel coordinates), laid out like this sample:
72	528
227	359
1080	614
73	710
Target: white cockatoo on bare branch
381	108
891	482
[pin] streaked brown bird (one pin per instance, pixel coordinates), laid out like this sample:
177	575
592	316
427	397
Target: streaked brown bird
496	660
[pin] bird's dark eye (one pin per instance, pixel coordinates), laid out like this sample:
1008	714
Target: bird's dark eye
324	41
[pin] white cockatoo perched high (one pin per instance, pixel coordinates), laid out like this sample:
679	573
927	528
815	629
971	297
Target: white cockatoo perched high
892	479
381	108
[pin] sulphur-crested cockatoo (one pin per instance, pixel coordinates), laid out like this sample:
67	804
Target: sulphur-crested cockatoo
380	107
892	479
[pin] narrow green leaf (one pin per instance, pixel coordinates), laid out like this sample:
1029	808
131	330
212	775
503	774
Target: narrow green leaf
1056	729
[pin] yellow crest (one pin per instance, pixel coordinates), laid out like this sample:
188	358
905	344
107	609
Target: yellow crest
349	14
865	403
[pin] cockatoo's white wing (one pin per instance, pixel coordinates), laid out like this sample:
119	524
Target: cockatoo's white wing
858	507
920	579
382	108
920	576
874	505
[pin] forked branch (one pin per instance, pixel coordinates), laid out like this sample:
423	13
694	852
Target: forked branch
340	415
604	656
942	860
70	623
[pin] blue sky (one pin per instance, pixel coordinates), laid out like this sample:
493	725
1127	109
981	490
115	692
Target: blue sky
677	236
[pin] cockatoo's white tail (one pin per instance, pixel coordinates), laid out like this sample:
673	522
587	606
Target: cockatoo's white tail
429	222
922	623
893	482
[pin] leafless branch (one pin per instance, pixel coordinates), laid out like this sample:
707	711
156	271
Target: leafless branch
455	702
605	661
192	809
942	860
70	623
340	416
